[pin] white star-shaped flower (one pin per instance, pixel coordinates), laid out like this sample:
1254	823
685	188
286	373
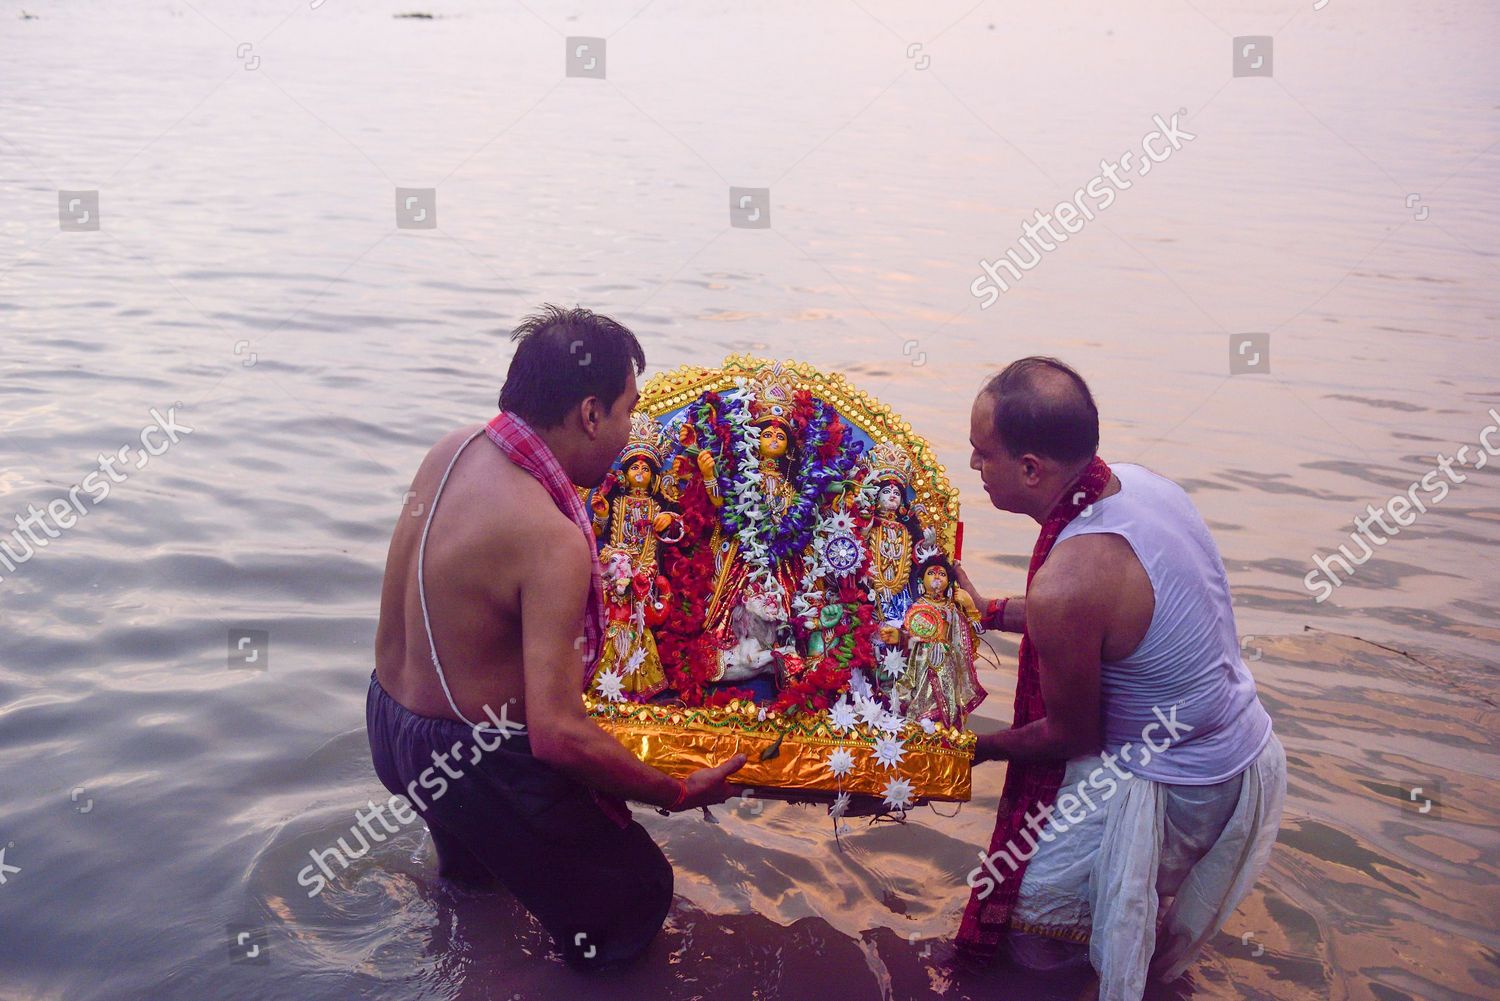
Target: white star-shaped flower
840	521
634	662
610	684
840	805
898	794
889	750
928	726
841	762
869	710
891	722
841	715
893	663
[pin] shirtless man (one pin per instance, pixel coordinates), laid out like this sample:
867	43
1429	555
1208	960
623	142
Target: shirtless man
1129	630
490	555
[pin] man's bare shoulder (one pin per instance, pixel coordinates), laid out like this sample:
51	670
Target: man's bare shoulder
1081	572
442	453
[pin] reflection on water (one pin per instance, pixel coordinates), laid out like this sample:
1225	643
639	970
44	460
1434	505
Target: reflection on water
246	269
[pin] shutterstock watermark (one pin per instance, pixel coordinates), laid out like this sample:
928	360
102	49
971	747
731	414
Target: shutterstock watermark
1322	580
434	779
1070	802
1072	215
62	513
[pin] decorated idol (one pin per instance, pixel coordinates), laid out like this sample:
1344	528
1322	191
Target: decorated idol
630	507
635	603
771	458
776	546
895	534
940	682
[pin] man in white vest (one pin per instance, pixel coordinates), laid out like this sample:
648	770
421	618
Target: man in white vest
1145	785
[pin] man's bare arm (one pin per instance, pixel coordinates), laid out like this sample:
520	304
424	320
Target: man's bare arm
555	585
1066	617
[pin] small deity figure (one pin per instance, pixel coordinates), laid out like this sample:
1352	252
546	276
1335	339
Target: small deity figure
629	508
894	537
631	519
635	603
940	682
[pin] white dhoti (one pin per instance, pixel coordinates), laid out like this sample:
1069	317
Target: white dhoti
1102	878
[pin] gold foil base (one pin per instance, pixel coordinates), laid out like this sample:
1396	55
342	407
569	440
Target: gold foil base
679	741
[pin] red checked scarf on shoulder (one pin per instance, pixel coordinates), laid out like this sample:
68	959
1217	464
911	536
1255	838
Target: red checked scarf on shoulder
1028	785
526	449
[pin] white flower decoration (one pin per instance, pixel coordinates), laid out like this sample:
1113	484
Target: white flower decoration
893	663
859	685
633	664
841	762
891	722
840	805
840	521
841	715
898	794
869	710
889	750
610	684
760	714
928	726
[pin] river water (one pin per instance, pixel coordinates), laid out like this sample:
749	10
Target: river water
158	794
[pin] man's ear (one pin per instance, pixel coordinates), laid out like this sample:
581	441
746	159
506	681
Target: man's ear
1031	468
590	415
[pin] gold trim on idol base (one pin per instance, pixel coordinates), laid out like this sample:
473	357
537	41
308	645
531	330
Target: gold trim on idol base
679	741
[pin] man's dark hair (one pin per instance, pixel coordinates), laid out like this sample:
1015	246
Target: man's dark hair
564	356
1043	406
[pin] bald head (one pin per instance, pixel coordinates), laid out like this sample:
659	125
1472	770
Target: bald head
1043	407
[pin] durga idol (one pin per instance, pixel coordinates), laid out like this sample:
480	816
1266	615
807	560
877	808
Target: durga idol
787	450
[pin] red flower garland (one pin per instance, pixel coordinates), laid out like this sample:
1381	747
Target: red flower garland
686	654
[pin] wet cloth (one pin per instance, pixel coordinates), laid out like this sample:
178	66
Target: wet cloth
602	891
1100	878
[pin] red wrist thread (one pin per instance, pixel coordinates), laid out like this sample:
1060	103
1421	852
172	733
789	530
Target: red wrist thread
682	793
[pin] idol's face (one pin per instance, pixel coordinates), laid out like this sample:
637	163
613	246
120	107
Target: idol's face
889	498
617	570
638	473
773	441
935	581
